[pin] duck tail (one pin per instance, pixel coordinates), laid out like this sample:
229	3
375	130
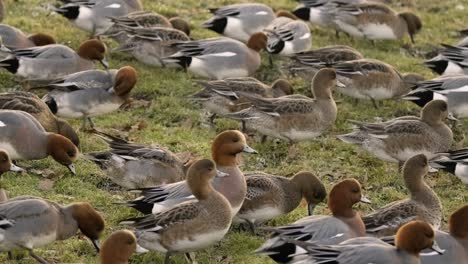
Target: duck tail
11	64
216	24
139	205
99	158
352	138
181	61
245	114
278	250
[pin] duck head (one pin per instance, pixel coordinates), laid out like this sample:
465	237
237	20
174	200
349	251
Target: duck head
6	164
90	222
414	170
227	145
343	196
41	39
118	247
180	24
93	49
457	223
258	41
435	112
199	176
62	150
324	80
416	236
282	87
413	23
67	131
312	189
125	80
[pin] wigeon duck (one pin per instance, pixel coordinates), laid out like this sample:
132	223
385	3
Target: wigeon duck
451	60
451	88
150	46
118	247
464	41
225	150
221	97
220	58
72	98
454	162
13	38
371	79
269	196
307	63
411	240
320	12
139	166
6	165
287	35
376	21
23	138
93	16
29	222
423	203
294	118
402	138
55	60
32	104
240	21
345	223
189	226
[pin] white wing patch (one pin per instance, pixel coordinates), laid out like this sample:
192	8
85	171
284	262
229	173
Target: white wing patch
224	54
2	124
305	36
261	13
114	6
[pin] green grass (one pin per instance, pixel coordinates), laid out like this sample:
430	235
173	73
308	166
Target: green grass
173	122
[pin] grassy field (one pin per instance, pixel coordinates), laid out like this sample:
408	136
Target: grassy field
162	115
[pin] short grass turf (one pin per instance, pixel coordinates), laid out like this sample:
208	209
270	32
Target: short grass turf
171	121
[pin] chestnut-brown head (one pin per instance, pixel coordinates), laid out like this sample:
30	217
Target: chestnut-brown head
6	164
414	237
41	39
62	150
413	23
67	131
125	80
282	87
199	176
93	49
312	189
458	225
90	222
118	247
227	145
180	24
435	112
343	196
258	41
323	83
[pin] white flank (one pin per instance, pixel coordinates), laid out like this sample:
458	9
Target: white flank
2	124
234	29
461	171
200	241
262	214
458	110
438	96
288	49
84	19
224	54
352	30
378	31
305	36
114	6
453	68
261	13
315	16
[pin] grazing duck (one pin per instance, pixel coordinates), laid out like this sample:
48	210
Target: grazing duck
402	138
371	79
225	150
376	21
13	38
93	16
192	225
220	58
55	60
240	21
451	60
32	104
307	63
411	240
6	165
423	203
320	12
73	98
269	196
138	166
222	97
23	138
118	247
345	223
29	222
294	118
151	45
287	35
451	88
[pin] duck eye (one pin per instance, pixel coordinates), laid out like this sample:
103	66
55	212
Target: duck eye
71	153
355	190
235	140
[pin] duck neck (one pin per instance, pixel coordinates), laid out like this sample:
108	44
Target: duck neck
225	159
67	226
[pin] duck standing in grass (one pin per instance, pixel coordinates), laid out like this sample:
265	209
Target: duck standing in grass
72	97
294	118
240	21
220	58
269	196
423	204
402	138
345	223
192	225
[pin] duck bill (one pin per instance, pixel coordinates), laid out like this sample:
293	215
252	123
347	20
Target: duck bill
13	167
340	84
452	117
365	200
104	63
250	150
221	174
96	244
310	209
71	168
435	247
140	249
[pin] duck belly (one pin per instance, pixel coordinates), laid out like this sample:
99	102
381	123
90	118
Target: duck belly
378	31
